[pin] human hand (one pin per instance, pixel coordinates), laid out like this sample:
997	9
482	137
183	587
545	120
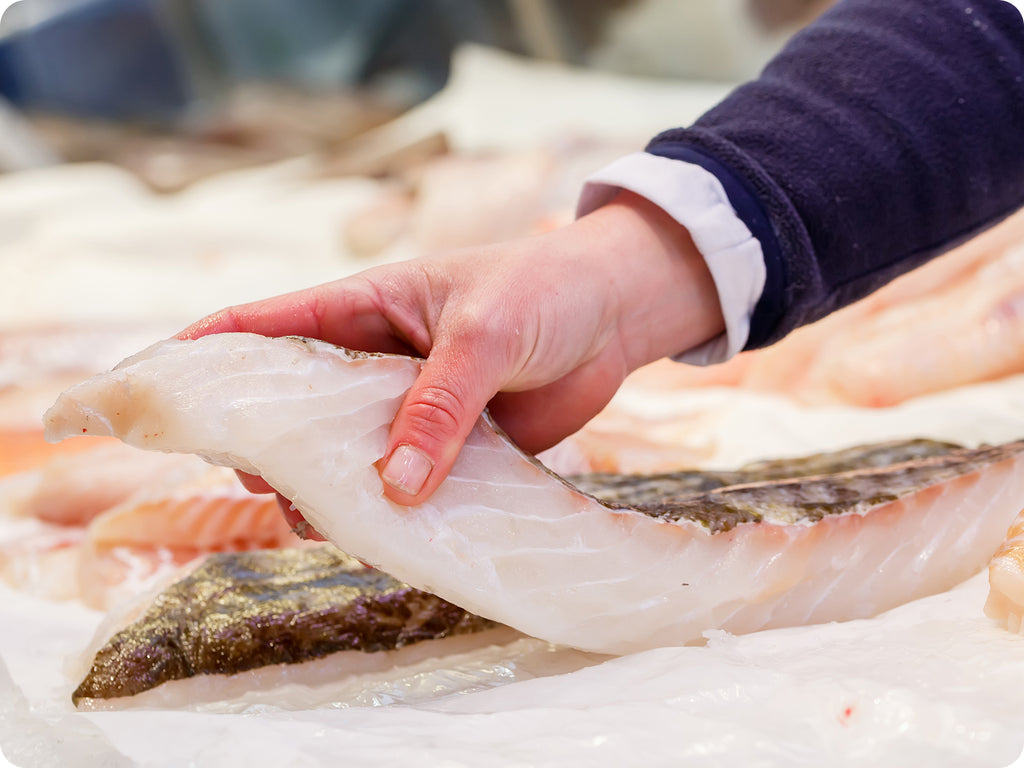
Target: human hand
542	330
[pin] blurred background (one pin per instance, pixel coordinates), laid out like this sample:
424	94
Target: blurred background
254	80
162	159
165	158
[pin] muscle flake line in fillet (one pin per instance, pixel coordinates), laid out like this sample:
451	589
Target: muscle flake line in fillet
506	539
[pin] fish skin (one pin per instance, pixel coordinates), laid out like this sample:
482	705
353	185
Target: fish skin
506	539
658	493
813	498
243	610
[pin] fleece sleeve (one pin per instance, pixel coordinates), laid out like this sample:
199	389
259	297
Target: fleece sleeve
881	136
697	201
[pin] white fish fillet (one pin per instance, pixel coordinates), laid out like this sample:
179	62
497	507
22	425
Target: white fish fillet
505	538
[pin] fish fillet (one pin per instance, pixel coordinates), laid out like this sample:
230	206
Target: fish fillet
102	525
23	450
73	489
211	512
506	539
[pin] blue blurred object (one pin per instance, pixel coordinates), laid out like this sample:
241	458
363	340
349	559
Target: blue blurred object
155	59
321	42
104	58
351	42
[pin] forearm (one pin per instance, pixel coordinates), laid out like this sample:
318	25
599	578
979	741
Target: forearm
883	135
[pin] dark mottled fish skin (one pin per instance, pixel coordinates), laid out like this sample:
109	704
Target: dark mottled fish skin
669	487
877	455
239	611
792	491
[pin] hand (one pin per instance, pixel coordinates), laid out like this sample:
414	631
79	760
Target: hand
543	330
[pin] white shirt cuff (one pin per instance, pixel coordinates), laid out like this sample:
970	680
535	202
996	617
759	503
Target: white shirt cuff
696	199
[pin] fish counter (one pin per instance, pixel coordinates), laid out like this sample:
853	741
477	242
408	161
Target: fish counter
928	682
933	680
93	533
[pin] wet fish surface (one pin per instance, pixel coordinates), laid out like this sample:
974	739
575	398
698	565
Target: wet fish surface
505	538
243	610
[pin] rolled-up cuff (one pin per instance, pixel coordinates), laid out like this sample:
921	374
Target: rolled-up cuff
695	198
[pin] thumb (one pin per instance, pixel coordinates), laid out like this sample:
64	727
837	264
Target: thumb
428	431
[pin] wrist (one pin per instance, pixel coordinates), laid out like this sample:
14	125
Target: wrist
665	297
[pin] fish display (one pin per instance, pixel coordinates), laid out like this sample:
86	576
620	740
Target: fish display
467	199
144	540
103	525
506	539
210	511
239	611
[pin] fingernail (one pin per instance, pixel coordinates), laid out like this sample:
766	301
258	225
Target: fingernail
407	469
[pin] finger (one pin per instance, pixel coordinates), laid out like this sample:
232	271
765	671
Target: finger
299	525
345	312
540	418
254	483
288	314
301	313
431	426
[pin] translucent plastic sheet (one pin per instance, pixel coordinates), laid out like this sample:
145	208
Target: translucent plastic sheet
930	683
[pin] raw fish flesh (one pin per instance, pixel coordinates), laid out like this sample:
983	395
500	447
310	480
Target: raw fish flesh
1005	601
121	666
211	511
74	488
506	539
239	611
23	450
468	199
105	524
149	537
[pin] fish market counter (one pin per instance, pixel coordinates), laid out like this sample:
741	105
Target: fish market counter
931	682
84	249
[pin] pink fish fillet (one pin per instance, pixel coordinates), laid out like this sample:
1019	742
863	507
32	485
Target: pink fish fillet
212	512
75	488
505	538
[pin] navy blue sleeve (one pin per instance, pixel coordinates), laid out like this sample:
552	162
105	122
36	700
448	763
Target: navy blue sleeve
882	135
